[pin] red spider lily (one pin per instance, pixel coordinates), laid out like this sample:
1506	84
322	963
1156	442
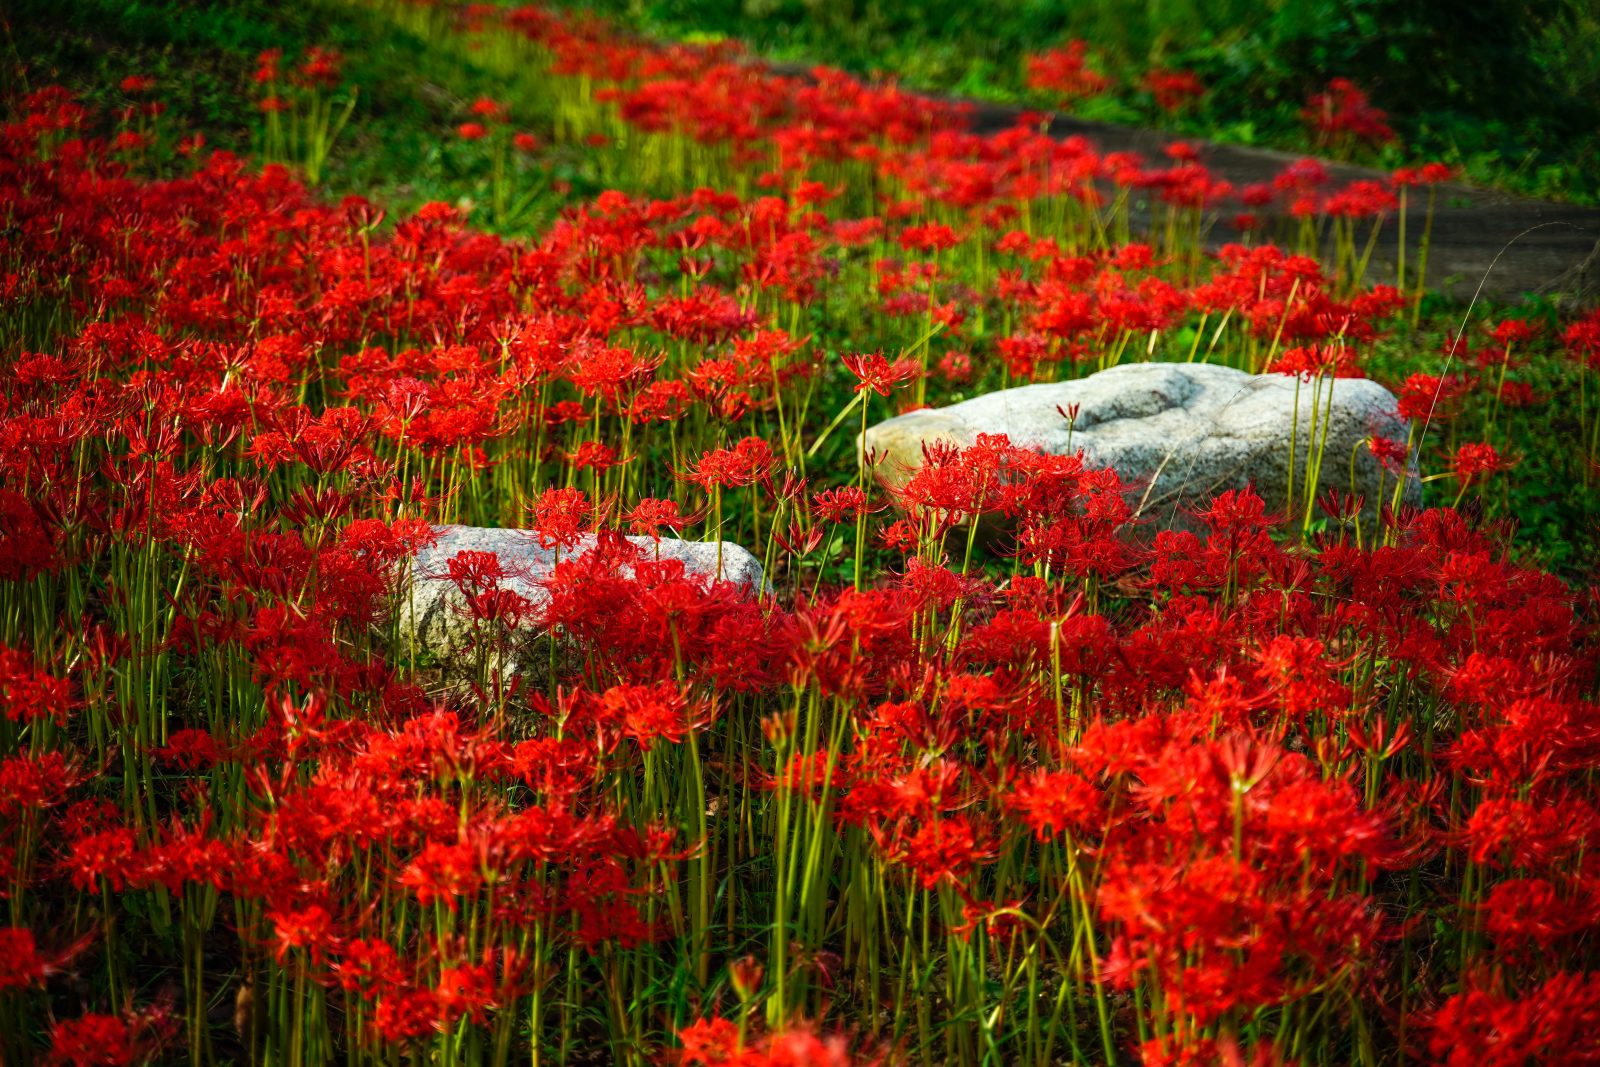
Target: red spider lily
1360	200
309	930
444	872
489	110
95	1040
320	67
466	990
1174	90
746	463
1311	361
593	455
102	858
648	714
267	65
1053	803
369	966
1582	339
745	974
711	1041
1551	1020
650	516
1342	112
562	516
1434	173
1064	73
842	504
26	966
27	693
1475	461
799	542
401	1015
1237	511
715	1041
1514	331
1427	399
31	784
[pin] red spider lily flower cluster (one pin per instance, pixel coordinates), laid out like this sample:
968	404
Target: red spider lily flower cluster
1065	73
1342	113
877	373
1174	90
319	68
1474	461
486	114
1582	340
719	1042
1043	782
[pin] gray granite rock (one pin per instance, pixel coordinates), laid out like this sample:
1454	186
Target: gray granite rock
1178	432
434	613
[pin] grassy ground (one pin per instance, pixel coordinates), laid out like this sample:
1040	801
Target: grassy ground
1509	91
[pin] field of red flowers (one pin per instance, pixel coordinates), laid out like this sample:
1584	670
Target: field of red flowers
1298	788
